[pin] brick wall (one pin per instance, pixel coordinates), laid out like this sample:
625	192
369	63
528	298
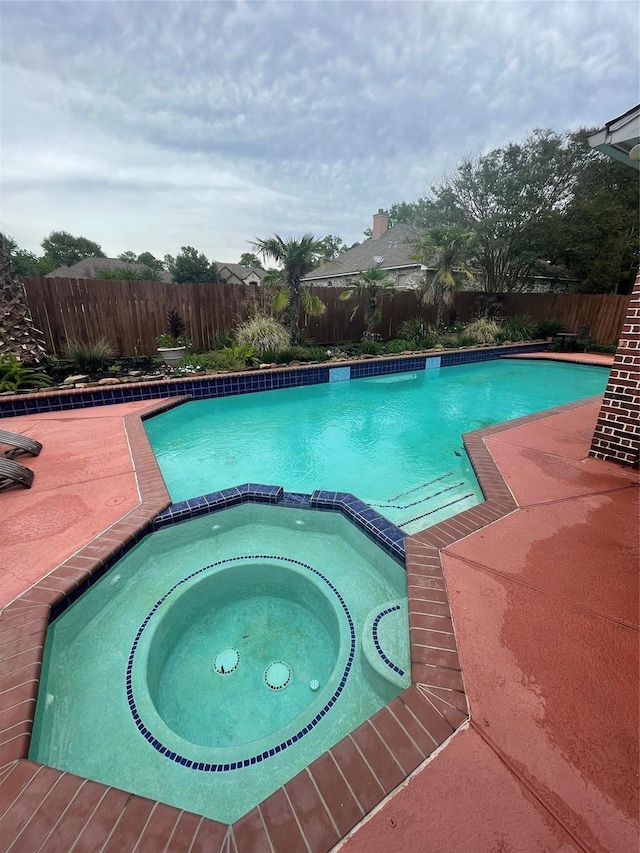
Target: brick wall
617	433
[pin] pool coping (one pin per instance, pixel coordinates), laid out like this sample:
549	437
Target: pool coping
330	797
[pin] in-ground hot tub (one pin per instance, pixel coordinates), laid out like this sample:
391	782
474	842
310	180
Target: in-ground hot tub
221	656
239	659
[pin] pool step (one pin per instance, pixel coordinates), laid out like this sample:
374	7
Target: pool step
443	495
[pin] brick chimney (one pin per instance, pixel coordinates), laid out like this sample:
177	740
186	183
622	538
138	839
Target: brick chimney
380	223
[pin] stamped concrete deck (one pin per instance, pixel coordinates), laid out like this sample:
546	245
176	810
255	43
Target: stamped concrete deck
544	602
545	608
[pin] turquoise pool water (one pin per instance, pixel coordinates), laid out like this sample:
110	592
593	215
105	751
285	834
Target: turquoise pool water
221	656
394	441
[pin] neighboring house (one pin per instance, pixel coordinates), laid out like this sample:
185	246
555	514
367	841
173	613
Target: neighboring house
237	274
89	267
391	249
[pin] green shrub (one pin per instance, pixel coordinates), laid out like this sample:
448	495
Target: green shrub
520	327
14	375
602	348
448	341
286	356
481	331
230	358
398	345
221	338
369	347
263	333
548	328
414	329
318	354
90	357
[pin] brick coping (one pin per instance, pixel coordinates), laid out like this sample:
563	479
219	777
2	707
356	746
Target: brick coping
321	804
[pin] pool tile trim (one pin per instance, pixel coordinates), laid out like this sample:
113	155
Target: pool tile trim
230	384
328	798
376	642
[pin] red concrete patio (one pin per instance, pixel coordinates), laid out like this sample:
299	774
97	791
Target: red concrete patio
545	607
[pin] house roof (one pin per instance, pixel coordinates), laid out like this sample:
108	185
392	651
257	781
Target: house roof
89	267
396	247
241	271
619	136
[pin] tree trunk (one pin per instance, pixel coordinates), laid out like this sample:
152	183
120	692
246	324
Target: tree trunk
294	310
18	336
370	315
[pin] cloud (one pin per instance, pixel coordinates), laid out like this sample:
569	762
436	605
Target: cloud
210	123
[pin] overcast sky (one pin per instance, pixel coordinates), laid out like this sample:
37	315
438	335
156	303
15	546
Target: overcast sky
152	125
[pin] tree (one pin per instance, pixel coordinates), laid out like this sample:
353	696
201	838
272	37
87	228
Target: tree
374	285
26	263
552	198
334	247
64	250
298	257
193	266
151	261
129	273
145	258
448	251
247	259
18	336
596	235
509	198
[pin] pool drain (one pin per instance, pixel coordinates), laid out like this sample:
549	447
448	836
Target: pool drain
226	661
277	675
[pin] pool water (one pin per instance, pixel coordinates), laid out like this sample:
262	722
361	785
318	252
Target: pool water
278	622
394	441
223	655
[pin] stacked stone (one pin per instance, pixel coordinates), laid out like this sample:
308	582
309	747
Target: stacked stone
18	335
617	433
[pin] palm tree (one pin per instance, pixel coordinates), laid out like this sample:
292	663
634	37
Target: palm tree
449	251
18	336
298	257
374	285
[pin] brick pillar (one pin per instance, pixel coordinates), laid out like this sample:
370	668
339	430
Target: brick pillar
617	433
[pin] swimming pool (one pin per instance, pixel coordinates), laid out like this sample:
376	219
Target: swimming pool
221	656
394	440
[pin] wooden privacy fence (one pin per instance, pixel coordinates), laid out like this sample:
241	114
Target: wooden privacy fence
131	314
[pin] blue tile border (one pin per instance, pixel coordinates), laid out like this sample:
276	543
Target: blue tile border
376	641
211	767
376	527
383	532
226	385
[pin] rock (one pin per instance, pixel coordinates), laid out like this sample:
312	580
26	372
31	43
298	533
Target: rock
134	373
149	376
407	352
81	385
264	366
109	380
71	380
